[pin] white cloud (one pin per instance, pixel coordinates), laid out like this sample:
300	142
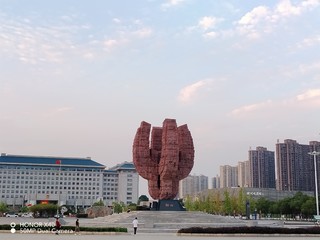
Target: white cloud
210	35
285	8
251	108
31	43
306	68
143	32
116	20
308	98
310	42
189	92
311	94
247	25
206	25
261	19
171	3
253	17
126	37
206	22
309	4
110	43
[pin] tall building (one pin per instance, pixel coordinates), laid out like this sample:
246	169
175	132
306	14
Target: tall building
262	168
215	182
192	185
65	181
295	169
228	176
127	180
244	174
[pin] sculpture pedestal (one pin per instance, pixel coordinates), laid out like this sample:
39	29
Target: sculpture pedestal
167	205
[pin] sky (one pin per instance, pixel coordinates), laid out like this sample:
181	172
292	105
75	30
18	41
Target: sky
78	77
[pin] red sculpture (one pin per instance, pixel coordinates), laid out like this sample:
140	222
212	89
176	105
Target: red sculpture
167	160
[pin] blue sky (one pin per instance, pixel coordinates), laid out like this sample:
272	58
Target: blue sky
78	77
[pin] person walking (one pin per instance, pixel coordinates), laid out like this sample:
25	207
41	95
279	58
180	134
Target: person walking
58	225
135	225
77	229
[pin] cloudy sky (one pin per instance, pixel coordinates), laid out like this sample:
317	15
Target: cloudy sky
77	77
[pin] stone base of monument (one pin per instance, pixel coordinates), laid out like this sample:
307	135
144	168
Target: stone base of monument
167	205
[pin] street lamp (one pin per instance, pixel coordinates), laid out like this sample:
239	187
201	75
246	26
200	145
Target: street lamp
315	154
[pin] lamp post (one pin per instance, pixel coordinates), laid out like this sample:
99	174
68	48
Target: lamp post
315	154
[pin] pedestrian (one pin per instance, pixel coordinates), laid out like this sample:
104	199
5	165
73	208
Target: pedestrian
77	229
58	225
135	225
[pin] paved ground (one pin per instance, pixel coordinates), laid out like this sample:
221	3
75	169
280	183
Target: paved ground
149	221
143	236
152	225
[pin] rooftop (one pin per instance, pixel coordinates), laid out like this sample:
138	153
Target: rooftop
47	160
123	166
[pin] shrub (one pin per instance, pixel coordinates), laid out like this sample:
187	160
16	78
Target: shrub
85	229
250	230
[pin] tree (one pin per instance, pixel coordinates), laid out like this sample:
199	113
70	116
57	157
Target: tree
241	202
217	203
98	203
188	203
3	207
227	203
24	209
263	205
117	207
44	210
308	208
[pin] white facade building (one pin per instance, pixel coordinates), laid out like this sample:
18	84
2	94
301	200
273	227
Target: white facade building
28	180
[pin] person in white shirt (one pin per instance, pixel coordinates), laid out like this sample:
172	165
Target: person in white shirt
135	225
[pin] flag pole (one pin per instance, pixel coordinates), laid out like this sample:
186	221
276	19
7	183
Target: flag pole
59	173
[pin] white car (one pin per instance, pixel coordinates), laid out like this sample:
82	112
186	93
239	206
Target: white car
27	215
11	214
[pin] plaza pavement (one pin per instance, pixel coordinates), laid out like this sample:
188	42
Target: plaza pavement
152	225
149	221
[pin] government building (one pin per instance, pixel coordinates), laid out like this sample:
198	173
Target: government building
29	180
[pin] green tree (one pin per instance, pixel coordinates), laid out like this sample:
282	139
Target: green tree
284	207
188	203
118	207
3	207
217	203
308	208
208	204
24	209
44	210
98	203
241	202
227	207
234	204
263	206
132	207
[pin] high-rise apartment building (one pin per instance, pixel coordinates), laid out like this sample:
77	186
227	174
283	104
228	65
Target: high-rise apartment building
228	176
295	168
244	174
215	182
192	185
65	181
262	168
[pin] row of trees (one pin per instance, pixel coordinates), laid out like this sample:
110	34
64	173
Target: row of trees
299	205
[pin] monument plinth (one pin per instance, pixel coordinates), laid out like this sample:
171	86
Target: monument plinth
164	161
